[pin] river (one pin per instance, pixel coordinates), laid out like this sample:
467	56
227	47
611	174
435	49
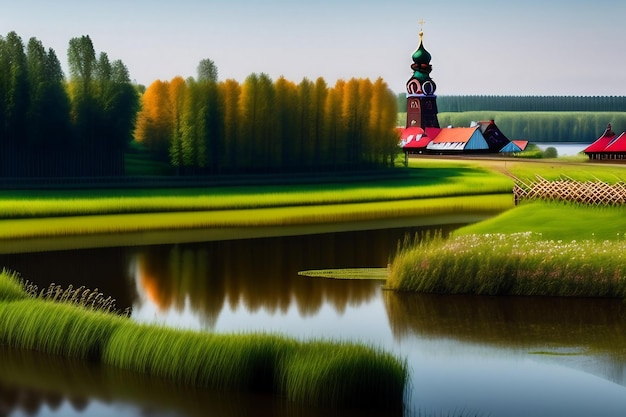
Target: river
468	355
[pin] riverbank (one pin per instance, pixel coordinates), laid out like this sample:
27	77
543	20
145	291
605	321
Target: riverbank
321	373
513	253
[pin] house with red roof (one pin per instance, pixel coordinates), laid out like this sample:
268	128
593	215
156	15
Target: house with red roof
609	146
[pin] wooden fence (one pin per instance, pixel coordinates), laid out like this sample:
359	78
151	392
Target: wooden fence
596	193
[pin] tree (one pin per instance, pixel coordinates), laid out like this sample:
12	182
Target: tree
335	130
350	120
14	94
82	65
48	104
207	71
229	93
382	123
320	91
154	120
304	144
203	119
104	107
82	62
286	99
177	90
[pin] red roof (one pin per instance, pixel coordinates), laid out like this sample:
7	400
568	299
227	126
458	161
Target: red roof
414	138
432	132
617	145
456	135
522	144
413	130
602	142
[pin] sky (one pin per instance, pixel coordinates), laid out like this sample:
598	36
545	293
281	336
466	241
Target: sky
530	47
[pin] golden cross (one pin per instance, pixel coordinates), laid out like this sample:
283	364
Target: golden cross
421	23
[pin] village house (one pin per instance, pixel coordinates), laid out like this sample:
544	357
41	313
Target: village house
609	146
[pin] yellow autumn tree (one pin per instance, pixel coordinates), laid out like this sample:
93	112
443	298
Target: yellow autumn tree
382	123
154	121
334	127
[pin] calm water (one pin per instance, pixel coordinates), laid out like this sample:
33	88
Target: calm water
490	356
564	149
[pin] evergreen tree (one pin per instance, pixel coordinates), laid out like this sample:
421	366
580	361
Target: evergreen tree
48	135
207	71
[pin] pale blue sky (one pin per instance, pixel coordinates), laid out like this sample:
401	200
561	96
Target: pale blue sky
481	47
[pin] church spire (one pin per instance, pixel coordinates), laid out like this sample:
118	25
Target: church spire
421	98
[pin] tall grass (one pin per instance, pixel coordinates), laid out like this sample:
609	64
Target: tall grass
234	362
319	373
343	375
56	328
511	264
11	288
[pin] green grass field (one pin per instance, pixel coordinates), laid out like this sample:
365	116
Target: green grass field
436	181
556	221
436	189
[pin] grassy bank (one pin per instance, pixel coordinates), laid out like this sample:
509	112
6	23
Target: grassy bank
326	373
537	248
434	182
281	216
556	221
511	264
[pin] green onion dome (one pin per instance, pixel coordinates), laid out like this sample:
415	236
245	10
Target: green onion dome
421	56
421	59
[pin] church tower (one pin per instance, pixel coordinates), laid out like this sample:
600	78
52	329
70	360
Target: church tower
421	106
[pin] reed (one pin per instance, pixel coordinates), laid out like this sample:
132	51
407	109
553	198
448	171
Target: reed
511	264
11	288
344	375
81	296
233	362
319	373
56	328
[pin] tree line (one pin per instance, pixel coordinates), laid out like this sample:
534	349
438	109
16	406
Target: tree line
53	126
463	103
582	127
203	126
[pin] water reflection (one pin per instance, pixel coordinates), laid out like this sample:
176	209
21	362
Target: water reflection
497	356
39	385
252	275
586	334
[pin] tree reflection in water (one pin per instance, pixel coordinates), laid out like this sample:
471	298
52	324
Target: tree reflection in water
260	274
